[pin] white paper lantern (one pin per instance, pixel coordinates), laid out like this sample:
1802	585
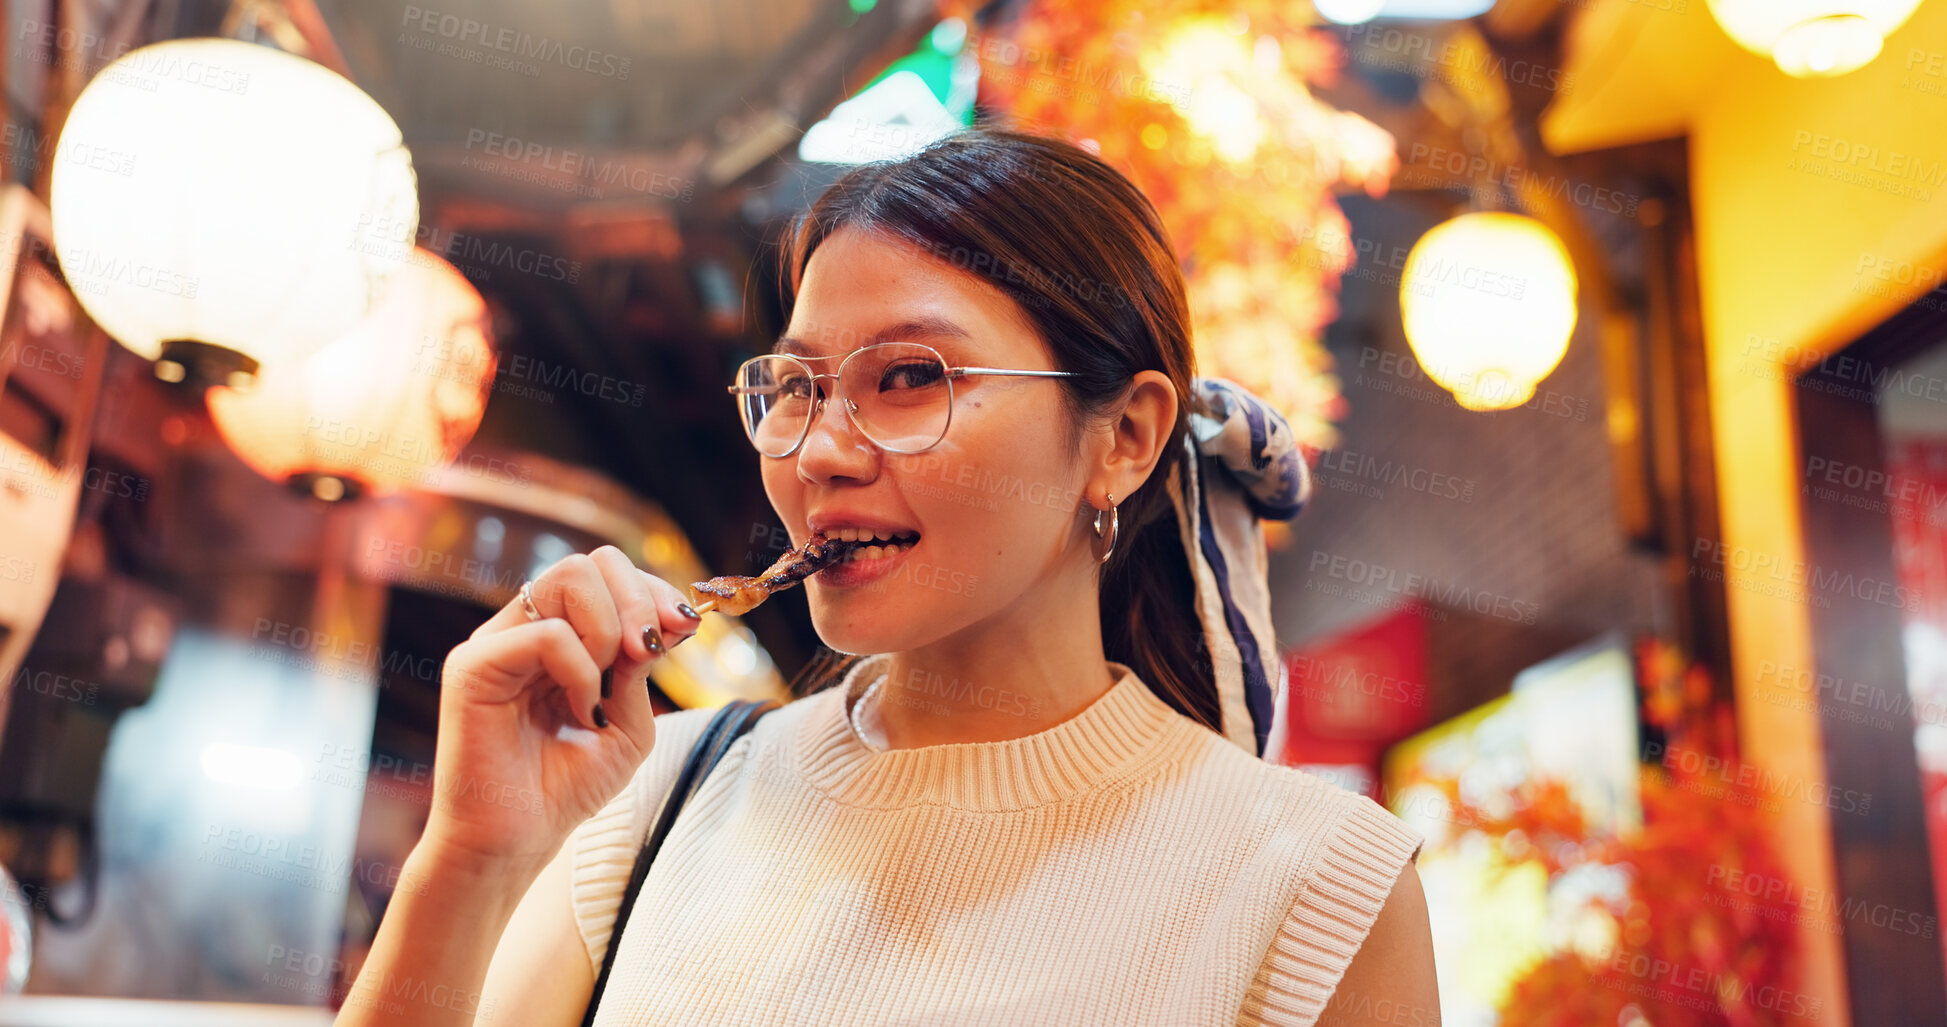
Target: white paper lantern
1811	38
238	198
397	396
1488	303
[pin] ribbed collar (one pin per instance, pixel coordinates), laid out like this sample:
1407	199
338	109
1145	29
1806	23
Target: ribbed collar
1123	730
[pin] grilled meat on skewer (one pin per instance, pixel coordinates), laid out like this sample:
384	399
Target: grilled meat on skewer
737	595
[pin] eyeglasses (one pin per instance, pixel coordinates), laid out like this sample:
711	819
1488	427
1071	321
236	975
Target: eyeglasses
899	394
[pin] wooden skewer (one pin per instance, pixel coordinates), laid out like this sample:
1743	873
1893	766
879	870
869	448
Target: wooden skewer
705	606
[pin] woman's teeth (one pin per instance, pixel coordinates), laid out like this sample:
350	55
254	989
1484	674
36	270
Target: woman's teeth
881	547
865	534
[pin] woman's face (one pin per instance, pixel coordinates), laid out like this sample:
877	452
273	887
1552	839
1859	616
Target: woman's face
995	503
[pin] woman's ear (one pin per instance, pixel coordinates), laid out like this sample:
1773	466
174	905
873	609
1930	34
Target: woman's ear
1139	433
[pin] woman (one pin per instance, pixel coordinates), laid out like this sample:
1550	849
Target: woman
1027	806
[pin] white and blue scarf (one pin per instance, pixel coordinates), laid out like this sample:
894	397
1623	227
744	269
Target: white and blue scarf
1245	467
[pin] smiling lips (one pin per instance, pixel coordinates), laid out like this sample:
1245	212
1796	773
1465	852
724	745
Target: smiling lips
737	595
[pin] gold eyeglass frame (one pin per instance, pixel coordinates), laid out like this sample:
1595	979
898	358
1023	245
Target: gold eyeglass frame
851	408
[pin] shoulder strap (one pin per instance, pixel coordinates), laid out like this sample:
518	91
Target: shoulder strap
730	723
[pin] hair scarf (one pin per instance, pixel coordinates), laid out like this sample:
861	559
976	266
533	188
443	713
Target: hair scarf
1243	466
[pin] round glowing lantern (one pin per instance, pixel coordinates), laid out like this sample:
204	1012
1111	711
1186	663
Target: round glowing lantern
396	397
1348	12
1812	38
219	205
1488	302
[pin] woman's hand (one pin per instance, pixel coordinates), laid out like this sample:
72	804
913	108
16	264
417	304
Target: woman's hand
534	735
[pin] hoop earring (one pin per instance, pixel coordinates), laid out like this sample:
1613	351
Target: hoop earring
1115	526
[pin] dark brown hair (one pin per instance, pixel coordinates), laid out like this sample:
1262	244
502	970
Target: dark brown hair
1083	253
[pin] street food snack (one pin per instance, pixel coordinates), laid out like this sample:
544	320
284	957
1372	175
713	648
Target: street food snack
737	595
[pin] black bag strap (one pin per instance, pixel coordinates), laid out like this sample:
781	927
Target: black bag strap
730	723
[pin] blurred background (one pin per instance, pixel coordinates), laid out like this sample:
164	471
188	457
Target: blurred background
1613	330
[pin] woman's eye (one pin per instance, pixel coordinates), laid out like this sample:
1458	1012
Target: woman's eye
914	374
794	387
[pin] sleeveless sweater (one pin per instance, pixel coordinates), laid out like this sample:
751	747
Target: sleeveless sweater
1126	866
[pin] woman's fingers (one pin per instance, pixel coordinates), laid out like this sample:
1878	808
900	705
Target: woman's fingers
641	637
502	665
574	589
633	593
677	625
624	617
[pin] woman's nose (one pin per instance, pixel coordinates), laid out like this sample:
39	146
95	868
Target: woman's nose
834	448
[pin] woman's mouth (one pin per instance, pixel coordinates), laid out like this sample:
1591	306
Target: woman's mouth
872	558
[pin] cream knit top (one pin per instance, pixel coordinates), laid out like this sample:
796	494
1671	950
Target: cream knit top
1126	866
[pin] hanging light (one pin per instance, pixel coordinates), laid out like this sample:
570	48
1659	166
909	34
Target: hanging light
1348	12
394	398
219	205
1488	302
1812	38
1209	60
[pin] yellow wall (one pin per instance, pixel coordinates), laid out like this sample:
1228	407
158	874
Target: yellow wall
1795	262
1821	210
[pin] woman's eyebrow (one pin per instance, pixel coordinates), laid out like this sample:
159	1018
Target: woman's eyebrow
912	329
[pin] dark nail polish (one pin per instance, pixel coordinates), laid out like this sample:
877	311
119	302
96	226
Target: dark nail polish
652	640
601	716
608	682
686	610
